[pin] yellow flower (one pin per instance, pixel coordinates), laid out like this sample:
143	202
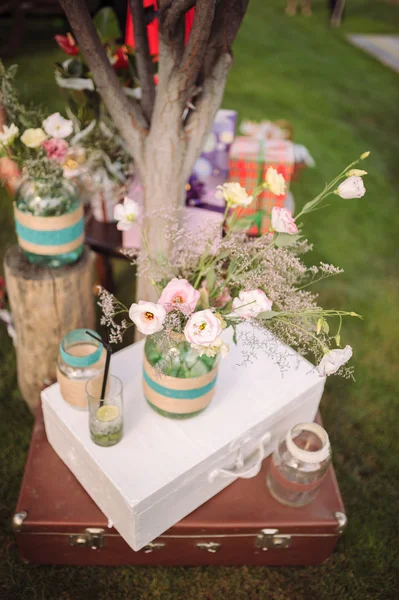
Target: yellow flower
234	194
274	182
355	173
33	138
364	155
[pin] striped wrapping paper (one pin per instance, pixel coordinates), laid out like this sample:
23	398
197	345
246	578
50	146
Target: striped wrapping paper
249	160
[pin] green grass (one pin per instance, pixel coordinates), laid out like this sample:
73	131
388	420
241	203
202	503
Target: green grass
341	103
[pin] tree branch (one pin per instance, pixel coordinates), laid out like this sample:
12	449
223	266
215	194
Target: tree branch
177	9
228	18
143	58
195	50
200	121
127	116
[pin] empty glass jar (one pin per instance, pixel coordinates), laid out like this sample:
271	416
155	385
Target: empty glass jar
299	464
81	357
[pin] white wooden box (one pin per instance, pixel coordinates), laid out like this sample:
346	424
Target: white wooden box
163	469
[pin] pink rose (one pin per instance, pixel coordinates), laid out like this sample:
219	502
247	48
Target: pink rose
224	296
203	328
283	221
179	294
56	149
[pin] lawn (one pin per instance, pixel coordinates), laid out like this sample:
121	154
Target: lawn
341	103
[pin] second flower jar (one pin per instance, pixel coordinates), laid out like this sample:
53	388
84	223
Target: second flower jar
178	382
49	222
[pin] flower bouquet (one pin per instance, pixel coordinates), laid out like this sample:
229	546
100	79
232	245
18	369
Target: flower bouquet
257	287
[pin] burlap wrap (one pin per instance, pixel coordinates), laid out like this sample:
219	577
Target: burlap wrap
175	395
49	236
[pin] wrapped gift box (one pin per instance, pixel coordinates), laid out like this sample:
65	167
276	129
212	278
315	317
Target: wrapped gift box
163	469
212	167
249	160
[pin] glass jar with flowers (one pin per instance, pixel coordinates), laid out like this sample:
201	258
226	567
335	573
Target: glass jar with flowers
258	287
48	213
49	219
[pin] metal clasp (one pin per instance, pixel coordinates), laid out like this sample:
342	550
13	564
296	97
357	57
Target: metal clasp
342	521
211	547
18	520
153	546
268	539
91	537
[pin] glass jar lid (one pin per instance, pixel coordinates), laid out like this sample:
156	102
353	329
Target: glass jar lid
308	456
80	336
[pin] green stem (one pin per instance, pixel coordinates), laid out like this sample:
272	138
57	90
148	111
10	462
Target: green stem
324	348
326	191
315	281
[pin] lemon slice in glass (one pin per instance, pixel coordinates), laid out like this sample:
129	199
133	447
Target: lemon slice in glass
107	413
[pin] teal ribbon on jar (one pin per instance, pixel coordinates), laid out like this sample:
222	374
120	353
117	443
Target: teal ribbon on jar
49	235
80	336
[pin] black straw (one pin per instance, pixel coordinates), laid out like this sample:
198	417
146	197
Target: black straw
108	348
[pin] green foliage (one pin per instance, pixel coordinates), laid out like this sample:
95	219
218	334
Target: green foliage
23	115
107	25
285	239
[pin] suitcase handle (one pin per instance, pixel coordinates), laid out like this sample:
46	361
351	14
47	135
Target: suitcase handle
247	471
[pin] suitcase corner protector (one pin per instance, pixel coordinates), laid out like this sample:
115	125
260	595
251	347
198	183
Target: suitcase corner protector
18	520
342	521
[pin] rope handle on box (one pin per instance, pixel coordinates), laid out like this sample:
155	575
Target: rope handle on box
246	472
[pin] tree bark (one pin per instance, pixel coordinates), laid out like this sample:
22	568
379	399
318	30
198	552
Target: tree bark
45	304
164	146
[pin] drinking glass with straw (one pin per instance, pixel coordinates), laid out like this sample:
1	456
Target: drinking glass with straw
105	401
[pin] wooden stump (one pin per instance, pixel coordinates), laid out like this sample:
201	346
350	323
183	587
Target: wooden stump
45	304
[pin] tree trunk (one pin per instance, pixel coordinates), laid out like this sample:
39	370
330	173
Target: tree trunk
45	304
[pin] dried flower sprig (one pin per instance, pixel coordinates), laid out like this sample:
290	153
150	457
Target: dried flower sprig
208	282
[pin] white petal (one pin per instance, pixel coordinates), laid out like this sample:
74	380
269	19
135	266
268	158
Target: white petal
119	212
124	225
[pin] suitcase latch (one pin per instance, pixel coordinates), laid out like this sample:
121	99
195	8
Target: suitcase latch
91	537
268	539
211	547
153	547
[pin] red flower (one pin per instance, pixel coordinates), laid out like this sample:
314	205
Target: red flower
67	44
120	60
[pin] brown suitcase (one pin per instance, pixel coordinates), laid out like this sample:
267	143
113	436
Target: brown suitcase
56	522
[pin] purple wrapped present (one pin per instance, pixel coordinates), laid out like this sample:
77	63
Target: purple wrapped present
212	167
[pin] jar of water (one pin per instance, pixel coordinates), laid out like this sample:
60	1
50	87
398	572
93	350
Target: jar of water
81	357
49	222
299	465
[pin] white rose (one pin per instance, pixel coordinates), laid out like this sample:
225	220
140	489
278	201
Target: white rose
283	221
353	187
126	213
8	135
56	126
218	347
250	303
202	328
147	316
274	182
234	194
33	138
333	360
